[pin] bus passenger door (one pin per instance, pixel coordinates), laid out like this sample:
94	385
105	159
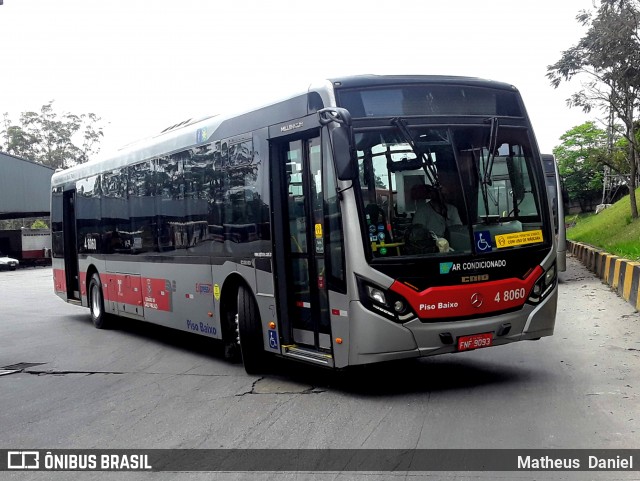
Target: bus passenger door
70	244
299	248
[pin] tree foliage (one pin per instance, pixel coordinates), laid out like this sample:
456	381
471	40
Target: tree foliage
39	224
32	223
579	158
607	60
53	139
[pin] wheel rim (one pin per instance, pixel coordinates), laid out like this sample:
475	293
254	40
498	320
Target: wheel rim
96	304
237	322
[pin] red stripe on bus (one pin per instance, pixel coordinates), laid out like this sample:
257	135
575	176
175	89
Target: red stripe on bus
469	299
122	288
59	280
157	294
83	283
137	291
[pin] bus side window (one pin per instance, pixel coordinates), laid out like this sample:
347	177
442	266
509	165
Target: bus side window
115	211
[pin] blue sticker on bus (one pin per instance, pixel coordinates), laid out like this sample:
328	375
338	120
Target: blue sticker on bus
445	267
201	135
204	288
482	240
273	339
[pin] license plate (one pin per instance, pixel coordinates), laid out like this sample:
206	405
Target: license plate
477	341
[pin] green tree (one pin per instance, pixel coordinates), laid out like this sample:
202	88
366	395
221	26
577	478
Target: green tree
579	159
39	224
17	141
15	224
53	139
607	59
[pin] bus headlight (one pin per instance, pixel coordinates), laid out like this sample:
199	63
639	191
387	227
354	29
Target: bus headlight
550	275
384	302
376	295
544	285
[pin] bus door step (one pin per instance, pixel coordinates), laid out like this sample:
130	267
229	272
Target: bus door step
306	354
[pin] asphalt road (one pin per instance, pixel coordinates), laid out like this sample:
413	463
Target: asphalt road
142	387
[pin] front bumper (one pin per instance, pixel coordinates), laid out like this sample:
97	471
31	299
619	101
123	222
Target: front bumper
376	339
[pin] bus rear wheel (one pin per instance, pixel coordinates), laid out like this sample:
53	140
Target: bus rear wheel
250	330
99	317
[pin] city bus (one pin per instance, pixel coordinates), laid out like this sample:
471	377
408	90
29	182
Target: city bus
363	219
556	195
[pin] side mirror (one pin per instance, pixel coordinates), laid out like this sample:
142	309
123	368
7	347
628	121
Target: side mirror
342	153
342	143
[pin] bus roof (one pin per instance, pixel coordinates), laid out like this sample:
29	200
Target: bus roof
189	134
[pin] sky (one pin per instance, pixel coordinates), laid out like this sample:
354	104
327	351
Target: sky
144	65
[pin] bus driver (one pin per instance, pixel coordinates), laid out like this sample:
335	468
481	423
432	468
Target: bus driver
435	214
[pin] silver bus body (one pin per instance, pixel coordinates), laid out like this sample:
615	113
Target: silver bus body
246	223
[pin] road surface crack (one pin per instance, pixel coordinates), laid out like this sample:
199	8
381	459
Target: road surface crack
255	389
64	373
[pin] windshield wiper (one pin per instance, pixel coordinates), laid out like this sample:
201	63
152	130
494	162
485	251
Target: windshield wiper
485	173
424	156
484	188
493	146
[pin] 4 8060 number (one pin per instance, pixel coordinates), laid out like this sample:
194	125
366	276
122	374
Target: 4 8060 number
510	295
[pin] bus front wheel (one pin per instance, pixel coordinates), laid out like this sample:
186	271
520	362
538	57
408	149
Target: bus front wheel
250	330
99	317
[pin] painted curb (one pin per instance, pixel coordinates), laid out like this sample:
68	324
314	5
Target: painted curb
622	275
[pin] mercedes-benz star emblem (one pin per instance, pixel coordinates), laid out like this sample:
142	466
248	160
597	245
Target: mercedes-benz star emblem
477	300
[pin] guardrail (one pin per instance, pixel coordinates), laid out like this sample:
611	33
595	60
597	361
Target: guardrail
622	275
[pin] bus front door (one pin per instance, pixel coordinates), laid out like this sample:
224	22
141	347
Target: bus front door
299	248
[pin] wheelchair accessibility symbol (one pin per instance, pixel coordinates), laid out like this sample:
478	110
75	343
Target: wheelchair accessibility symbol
273	339
483	241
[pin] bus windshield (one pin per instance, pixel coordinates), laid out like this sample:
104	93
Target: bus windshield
450	190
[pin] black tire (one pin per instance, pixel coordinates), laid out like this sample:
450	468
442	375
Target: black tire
99	317
250	330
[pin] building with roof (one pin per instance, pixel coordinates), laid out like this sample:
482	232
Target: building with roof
24	188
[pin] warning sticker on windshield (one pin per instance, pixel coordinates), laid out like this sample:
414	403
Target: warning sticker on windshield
519	238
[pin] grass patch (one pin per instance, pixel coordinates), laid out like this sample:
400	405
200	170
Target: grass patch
612	230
